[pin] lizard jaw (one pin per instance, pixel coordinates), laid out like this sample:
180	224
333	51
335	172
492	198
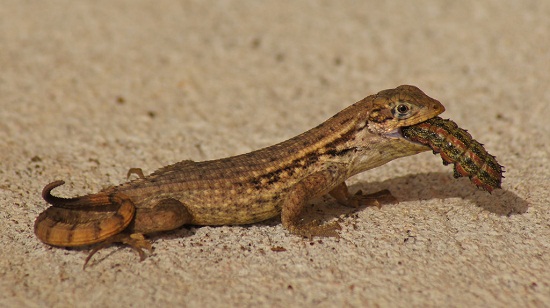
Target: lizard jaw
398	134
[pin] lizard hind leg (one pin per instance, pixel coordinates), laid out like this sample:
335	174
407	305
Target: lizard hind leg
165	215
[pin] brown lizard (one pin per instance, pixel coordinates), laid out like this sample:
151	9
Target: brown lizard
247	188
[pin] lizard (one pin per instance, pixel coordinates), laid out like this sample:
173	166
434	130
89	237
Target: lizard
247	188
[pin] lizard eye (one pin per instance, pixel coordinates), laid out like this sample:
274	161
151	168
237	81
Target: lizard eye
402	110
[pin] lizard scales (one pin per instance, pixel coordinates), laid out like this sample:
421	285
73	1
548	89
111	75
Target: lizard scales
247	188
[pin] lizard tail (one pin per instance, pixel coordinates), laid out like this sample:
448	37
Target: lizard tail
100	199
82	220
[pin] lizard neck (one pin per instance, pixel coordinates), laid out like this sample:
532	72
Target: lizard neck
347	139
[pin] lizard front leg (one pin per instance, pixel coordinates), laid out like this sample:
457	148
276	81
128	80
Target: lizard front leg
307	189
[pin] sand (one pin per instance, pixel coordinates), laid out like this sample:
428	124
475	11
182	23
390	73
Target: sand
89	89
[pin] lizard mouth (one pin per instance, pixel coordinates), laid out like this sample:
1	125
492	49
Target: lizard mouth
396	133
399	134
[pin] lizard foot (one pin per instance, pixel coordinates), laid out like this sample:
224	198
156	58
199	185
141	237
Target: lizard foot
342	195
136	241
316	228
136	171
375	199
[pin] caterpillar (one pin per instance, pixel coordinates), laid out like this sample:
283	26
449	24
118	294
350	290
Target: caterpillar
456	146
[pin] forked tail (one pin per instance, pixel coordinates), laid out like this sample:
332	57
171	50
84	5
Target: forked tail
82	220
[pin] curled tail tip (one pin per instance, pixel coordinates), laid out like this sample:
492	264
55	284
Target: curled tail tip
98	199
46	192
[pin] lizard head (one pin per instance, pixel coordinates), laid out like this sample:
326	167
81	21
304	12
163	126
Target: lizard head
403	106
387	112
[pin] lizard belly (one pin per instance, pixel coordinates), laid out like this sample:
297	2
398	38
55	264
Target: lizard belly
207	209
234	213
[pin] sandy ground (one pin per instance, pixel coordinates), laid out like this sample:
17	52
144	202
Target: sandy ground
89	89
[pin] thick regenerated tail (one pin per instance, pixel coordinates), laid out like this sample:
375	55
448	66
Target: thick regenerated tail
81	221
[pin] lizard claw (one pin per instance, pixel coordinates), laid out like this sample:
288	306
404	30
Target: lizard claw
342	195
316	228
374	199
136	241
